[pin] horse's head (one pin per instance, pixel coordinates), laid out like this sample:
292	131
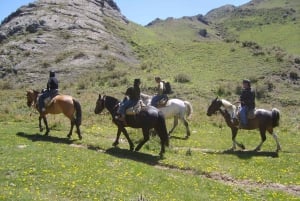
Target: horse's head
31	97
214	106
100	104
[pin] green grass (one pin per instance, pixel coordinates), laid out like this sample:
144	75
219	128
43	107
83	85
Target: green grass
36	167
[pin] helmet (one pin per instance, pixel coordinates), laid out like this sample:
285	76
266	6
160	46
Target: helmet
137	81
52	73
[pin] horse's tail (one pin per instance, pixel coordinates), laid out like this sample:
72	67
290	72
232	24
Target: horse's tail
161	128
189	107
275	117
78	112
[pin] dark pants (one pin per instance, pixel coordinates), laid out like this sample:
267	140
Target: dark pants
48	93
156	99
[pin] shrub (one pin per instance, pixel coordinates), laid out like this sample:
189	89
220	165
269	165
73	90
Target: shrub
294	76
222	91
261	91
182	78
297	60
79	55
203	32
110	65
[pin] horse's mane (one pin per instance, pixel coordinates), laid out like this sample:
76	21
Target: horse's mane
226	103
228	106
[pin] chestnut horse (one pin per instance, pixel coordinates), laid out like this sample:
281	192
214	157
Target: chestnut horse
149	117
59	104
264	120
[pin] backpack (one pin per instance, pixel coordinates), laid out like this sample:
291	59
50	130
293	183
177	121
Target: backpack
167	88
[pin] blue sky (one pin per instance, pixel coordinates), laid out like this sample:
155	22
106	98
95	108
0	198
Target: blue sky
144	11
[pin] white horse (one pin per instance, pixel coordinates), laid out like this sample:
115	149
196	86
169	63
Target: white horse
174	108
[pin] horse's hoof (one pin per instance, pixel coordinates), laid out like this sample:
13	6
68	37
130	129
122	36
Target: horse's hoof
41	129
257	149
115	144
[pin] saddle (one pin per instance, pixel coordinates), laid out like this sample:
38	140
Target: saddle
135	109
250	113
48	100
162	102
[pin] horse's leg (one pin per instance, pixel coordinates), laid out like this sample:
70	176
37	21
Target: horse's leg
40	124
131	145
275	138
277	142
46	124
78	130
234	131
263	138
162	143
186	124
146	138
175	123
124	131
71	129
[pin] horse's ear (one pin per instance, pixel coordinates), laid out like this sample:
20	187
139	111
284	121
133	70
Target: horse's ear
99	95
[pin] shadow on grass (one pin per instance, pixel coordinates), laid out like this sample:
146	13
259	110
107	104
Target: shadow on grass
135	156
246	154
45	138
178	138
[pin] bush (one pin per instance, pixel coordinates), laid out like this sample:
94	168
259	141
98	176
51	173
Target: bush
182	78
294	76
203	32
261	91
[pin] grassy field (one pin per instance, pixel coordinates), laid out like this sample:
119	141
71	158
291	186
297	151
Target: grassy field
37	167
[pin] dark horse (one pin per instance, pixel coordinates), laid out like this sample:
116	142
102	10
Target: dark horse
148	118
59	104
264	120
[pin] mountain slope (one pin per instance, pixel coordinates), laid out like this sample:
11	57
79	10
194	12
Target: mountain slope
71	37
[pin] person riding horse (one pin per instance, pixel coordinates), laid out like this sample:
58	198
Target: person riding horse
51	91
160	92
134	94
247	100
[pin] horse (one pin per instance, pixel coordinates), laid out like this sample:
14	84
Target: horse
264	120
175	108
65	104
149	117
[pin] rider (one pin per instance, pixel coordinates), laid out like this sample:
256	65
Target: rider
247	100
160	92
51	91
134	94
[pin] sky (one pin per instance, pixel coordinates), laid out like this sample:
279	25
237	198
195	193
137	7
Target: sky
144	11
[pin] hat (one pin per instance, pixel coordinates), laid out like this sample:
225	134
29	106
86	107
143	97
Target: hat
247	82
137	81
52	73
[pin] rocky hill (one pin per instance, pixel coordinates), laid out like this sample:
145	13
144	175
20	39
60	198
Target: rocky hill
71	37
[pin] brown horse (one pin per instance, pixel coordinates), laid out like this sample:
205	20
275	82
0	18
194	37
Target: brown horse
264	120
59	104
